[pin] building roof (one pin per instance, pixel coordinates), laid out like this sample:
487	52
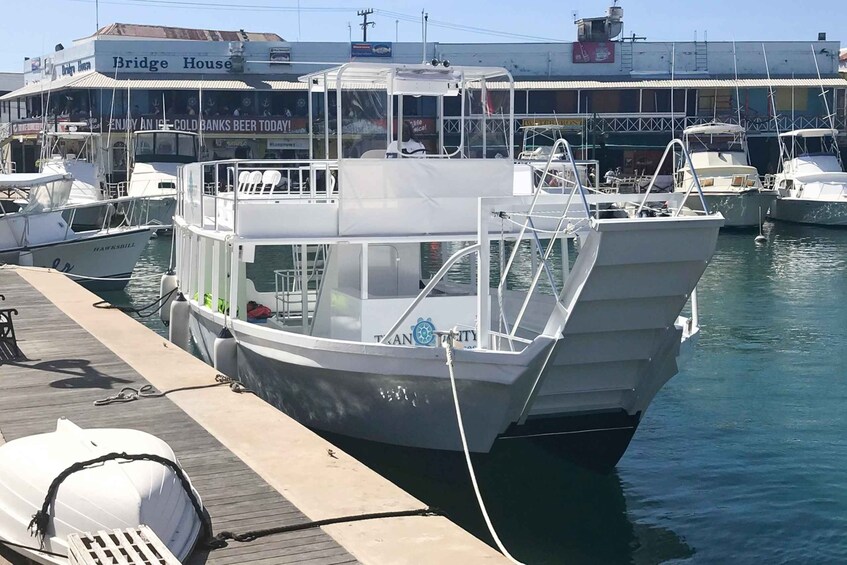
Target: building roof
167	32
11	81
272	82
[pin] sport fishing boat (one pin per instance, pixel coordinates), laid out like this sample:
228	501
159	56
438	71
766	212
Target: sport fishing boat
344	284
156	157
730	184
111	495
79	154
39	233
811	185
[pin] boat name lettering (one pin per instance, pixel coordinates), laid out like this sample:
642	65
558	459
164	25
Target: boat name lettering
66	268
465	336
113	247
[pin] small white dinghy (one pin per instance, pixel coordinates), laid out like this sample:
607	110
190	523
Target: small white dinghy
119	493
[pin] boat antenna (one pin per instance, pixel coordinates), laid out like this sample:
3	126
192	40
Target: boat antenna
129	128
200	114
111	115
773	103
424	21
737	93
823	95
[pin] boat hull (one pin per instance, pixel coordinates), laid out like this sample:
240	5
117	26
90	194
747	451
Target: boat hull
110	255
740	210
817	212
414	409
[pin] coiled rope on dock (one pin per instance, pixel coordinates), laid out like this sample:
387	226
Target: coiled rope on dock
131	394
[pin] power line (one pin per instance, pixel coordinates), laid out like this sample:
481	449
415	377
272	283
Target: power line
459	27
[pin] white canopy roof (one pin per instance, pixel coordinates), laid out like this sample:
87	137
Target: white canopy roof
818	132
714	129
25	180
378	73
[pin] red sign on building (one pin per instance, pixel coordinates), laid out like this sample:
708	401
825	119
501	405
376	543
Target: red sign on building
594	52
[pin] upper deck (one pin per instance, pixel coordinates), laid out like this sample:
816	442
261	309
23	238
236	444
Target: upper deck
393	186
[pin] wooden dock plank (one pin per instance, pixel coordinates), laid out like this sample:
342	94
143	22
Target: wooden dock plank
66	369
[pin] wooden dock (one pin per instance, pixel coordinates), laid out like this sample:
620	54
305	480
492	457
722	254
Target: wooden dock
238	451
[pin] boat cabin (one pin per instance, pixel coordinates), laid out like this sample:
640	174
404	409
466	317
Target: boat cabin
719	155
810	151
165	146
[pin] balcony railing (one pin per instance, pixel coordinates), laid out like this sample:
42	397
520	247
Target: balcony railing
635	123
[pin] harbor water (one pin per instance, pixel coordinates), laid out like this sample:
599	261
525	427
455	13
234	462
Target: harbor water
742	457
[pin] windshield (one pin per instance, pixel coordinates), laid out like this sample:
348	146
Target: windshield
165	147
725	143
814	146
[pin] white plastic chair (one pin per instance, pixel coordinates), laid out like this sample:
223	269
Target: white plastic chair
253	181
243	178
270	179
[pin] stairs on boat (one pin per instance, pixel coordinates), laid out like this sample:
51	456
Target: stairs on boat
297	288
617	314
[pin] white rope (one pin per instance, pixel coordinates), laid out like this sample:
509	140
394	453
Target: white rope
447	342
74	275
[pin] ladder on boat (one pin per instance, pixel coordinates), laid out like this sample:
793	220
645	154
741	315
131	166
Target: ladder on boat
297	288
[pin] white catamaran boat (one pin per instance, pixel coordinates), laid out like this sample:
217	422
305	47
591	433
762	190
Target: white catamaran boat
812	184
38	234
334	278
157	155
730	184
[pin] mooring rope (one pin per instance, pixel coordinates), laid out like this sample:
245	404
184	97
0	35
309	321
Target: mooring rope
142	312
447	342
130	394
41	520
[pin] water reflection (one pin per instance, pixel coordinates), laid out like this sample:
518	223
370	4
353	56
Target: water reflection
545	509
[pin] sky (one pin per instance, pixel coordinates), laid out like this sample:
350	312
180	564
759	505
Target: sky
31	28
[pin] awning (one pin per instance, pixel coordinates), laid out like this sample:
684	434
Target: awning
172	82
263	82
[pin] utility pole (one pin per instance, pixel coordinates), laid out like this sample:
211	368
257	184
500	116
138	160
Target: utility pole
365	23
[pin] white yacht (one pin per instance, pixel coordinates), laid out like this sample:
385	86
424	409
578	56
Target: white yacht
812	184
356	265
730	184
37	233
81	155
156	157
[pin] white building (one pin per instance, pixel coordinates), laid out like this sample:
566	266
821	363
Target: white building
622	99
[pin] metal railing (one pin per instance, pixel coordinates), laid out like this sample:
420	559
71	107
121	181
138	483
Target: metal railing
448	264
227	183
694	178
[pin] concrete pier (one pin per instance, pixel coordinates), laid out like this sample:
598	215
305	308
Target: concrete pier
253	466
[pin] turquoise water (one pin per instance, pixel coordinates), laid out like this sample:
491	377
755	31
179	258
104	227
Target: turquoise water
741	458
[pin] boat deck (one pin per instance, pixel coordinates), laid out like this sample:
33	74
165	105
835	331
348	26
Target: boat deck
67	368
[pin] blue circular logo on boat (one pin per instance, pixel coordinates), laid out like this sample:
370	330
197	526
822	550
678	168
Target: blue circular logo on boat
423	332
